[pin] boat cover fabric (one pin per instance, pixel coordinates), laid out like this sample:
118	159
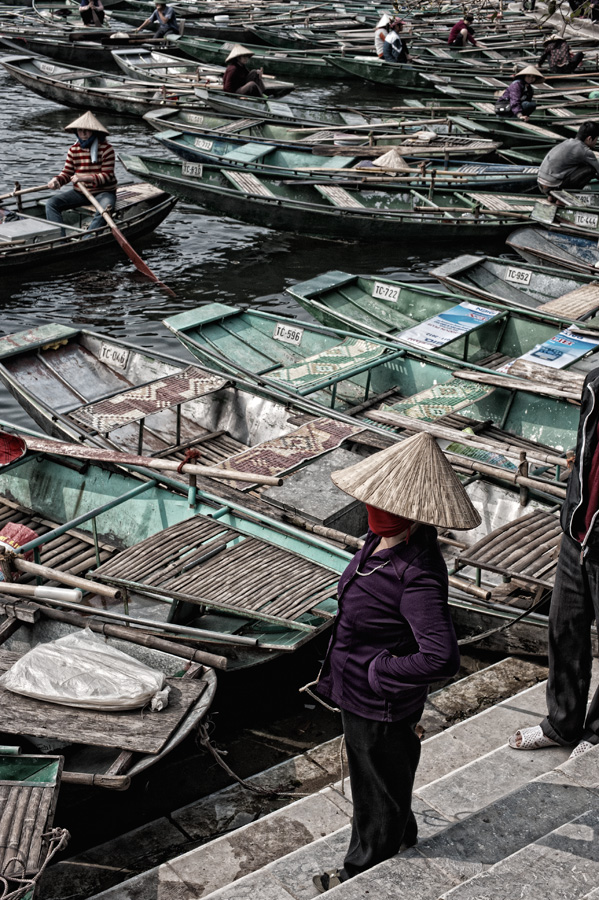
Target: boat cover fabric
349	354
286	452
11	448
441	400
137	403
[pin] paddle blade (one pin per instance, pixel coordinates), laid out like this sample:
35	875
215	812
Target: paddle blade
11	448
137	260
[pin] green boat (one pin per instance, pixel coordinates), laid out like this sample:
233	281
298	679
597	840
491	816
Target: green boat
294	159
171	562
274	62
29	787
354	211
335	370
541	287
381	307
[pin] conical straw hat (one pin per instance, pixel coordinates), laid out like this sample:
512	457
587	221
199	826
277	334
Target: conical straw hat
237	51
412	479
384	20
531	70
391	160
88	122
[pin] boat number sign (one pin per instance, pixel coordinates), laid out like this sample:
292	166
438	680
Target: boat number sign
47	68
194	169
289	334
586	220
199	120
201	144
117	357
384	291
517	276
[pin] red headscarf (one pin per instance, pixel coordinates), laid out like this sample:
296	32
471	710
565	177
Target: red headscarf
386	524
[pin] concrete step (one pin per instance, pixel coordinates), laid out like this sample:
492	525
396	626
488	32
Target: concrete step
554	812
315	823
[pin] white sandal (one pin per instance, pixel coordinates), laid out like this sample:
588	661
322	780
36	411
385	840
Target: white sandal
579	749
531	739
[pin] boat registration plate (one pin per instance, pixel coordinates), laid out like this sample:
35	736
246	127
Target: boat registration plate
517	276
117	357
199	120
47	68
289	334
586	220
386	291
202	144
193	169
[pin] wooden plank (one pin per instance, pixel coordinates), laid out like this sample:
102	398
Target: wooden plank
135	730
575	304
338	196
248	183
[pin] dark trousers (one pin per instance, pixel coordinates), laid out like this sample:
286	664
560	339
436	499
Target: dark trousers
383	758
574	607
254	87
571	66
90	19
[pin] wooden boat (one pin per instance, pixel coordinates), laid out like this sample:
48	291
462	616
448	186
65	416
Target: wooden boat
245	342
393	308
84	88
541	287
567	250
63	12
28	239
351	212
104	749
142	63
292	159
194	583
276	62
29	786
93	54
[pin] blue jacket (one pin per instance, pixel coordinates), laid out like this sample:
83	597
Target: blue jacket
393	635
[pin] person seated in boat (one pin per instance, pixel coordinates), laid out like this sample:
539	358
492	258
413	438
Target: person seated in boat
462	33
238	79
164	16
90	161
92	12
394	48
561	59
380	33
571	164
517	100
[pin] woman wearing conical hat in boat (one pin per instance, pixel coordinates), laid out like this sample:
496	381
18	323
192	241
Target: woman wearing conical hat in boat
90	160
380	33
238	79
392	638
517	100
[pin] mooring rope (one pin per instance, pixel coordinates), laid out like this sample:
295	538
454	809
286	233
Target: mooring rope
57	839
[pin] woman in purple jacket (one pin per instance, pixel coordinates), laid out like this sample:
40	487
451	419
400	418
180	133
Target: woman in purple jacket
392	638
516	101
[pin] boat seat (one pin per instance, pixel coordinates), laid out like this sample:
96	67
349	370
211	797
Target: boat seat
136	403
576	304
237	125
495	202
249	152
561	113
338	196
524	550
440	400
282	454
485	107
354	118
213	564
247	183
335	361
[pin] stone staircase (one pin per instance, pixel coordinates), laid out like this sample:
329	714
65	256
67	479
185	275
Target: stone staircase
493	824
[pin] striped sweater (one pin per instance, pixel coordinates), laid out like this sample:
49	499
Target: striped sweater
78	161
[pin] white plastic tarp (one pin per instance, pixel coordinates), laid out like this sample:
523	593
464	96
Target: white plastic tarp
81	669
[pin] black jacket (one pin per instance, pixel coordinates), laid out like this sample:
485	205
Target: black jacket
573	510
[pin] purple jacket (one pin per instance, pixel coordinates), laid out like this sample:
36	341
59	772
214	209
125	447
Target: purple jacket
393	634
517	91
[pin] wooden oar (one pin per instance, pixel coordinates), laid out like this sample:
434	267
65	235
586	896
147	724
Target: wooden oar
18	193
122	240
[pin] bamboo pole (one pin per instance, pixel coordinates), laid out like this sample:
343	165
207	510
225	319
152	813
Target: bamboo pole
31	568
